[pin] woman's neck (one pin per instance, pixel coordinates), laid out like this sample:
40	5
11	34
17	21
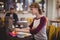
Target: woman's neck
38	15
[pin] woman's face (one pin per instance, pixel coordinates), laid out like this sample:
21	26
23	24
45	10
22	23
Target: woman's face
33	10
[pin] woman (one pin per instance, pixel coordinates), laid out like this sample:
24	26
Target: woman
38	26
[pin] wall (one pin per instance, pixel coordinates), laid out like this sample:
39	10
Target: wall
52	12
54	9
50	9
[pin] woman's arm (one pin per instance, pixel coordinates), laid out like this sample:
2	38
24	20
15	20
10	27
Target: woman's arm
22	30
40	26
31	25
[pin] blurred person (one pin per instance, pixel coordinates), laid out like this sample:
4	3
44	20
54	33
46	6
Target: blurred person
13	15
14	19
38	26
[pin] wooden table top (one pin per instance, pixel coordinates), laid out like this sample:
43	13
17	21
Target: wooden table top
55	20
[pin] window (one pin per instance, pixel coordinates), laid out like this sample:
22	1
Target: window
23	4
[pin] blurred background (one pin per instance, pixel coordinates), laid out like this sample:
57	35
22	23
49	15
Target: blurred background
50	9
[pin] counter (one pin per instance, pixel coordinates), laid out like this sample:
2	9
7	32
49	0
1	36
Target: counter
16	38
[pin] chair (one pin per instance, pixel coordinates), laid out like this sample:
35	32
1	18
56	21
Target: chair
30	20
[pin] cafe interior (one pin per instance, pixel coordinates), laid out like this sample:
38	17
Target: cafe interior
50	9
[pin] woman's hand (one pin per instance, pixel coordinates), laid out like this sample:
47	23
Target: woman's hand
22	30
27	28
33	27
17	29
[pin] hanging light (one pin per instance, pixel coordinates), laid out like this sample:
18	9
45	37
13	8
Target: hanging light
2	6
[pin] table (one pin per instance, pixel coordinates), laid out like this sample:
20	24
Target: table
27	36
55	21
16	38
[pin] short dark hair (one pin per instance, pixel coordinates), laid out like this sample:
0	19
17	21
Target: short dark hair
11	8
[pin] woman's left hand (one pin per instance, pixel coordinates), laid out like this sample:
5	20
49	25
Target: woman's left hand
21	30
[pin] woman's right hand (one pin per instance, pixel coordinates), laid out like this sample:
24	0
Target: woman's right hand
22	30
17	29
